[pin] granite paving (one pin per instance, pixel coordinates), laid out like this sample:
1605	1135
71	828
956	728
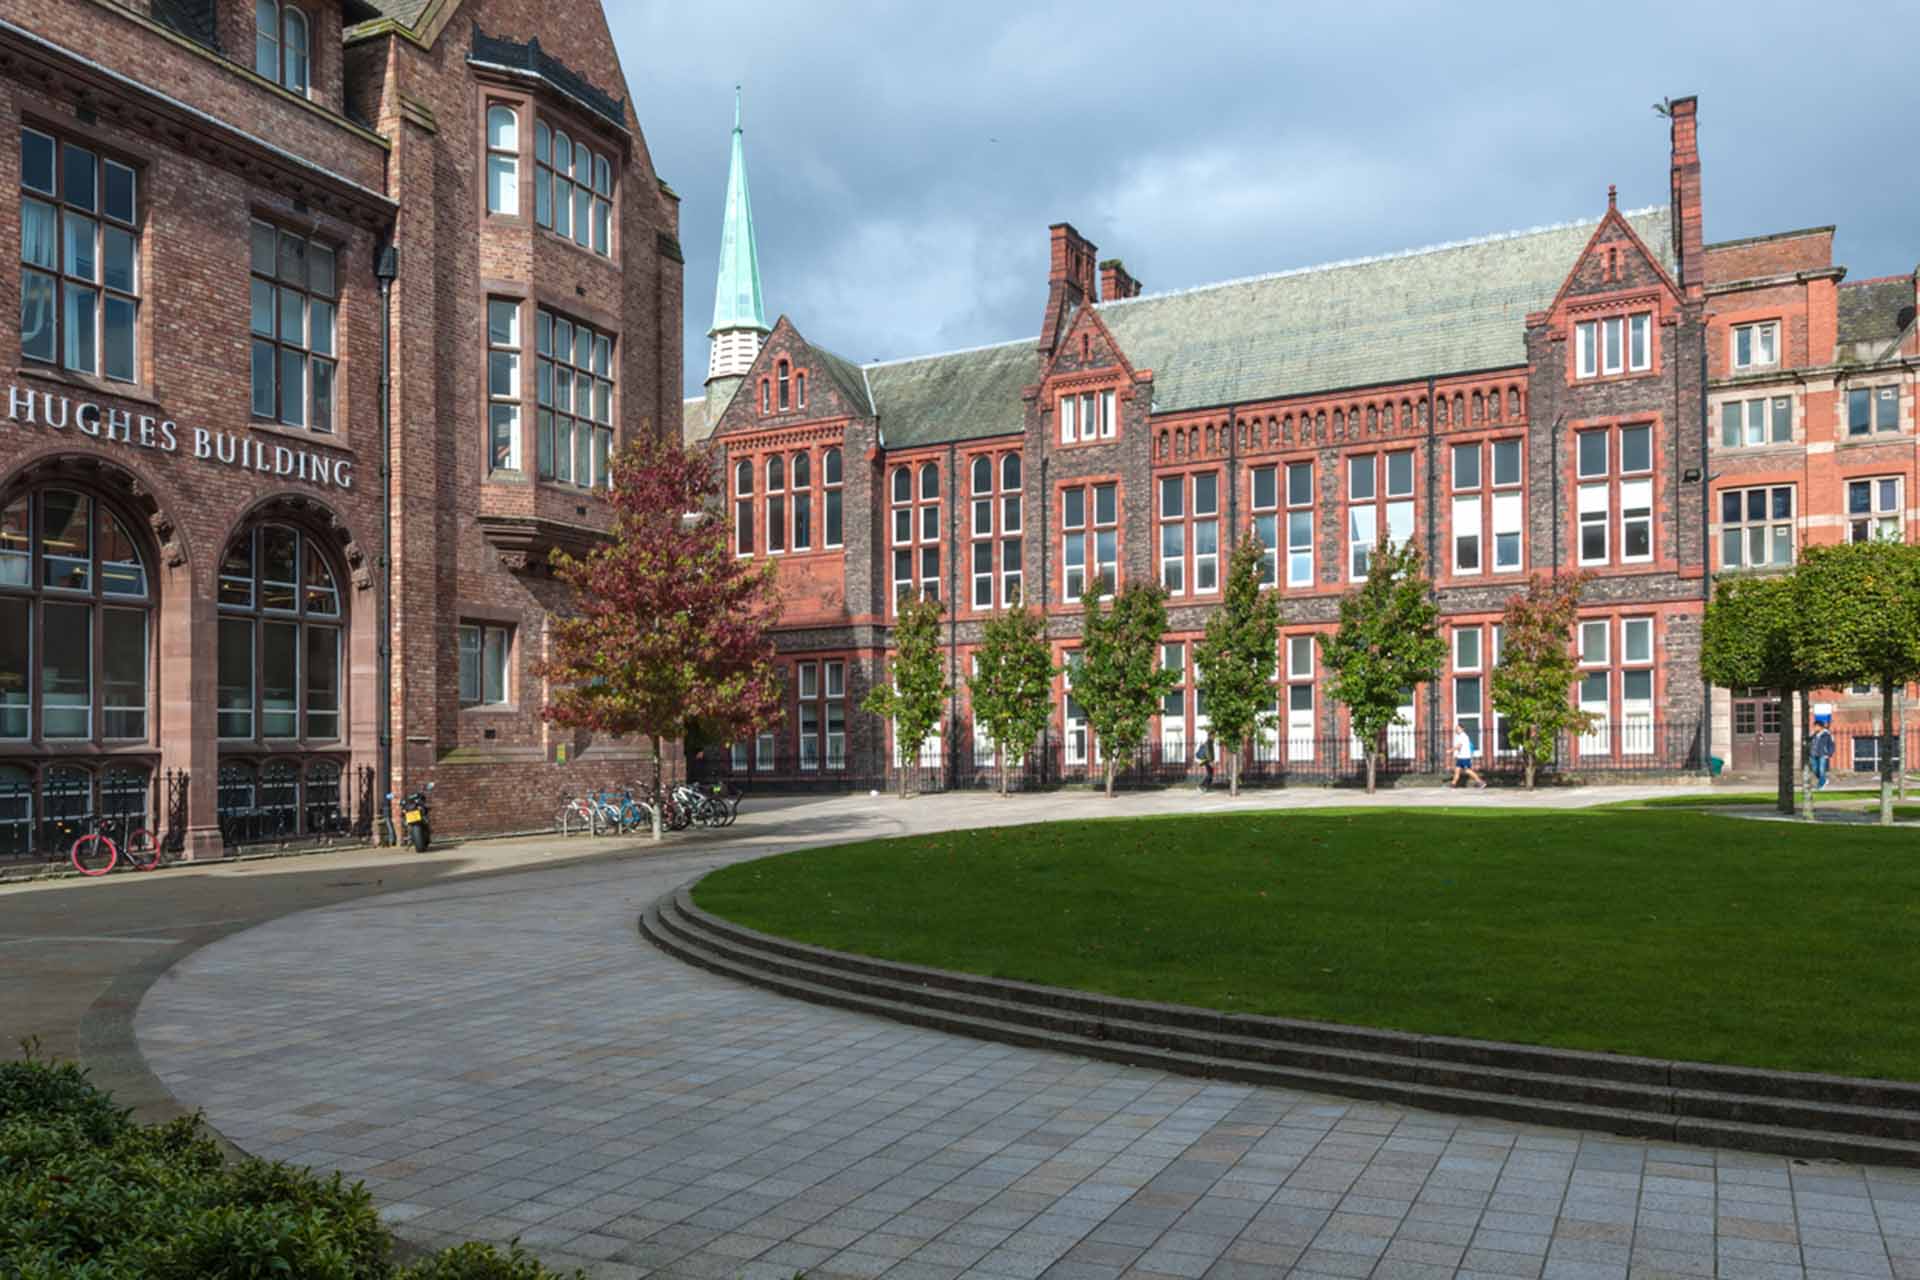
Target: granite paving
508	1059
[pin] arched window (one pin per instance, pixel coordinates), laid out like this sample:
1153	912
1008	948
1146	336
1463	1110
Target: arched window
1010	471
776	504
800	389
503	160
279	656
743	507
785	389
830	475
76	611
766	395
929	481
280	45
902	485
801	475
982	479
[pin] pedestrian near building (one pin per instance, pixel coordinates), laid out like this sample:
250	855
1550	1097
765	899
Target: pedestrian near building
1463	759
1820	751
1205	757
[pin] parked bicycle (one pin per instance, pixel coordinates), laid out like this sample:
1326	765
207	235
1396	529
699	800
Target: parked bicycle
96	852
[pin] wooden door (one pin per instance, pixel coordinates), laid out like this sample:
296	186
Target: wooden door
1756	730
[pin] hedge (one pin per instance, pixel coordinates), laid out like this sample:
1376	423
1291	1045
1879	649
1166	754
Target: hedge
87	1193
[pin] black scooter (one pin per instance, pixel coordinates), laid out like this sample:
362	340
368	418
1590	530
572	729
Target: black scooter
416	811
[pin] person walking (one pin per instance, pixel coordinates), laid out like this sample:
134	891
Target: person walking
1463	758
1820	752
1205	756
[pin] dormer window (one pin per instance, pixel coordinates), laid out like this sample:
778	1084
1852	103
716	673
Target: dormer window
503	160
1756	346
280	45
1087	415
1618	344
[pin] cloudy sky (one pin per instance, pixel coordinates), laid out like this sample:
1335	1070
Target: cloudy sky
906	159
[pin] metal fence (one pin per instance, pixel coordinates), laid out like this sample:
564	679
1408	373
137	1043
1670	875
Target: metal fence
285	803
1634	748
44	810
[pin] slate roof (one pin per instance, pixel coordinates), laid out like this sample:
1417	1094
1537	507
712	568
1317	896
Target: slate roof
1875	313
1448	309
693	420
961	395
405	12
847	377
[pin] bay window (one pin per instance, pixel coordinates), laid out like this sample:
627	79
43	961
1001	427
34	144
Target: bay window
575	394
503	160
572	189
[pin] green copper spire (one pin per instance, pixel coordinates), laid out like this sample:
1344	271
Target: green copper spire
736	294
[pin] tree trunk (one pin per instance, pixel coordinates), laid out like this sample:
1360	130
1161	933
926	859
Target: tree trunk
905	758
1370	758
1002	753
1806	777
1113	765
1887	741
1783	781
1233	775
1533	763
659	797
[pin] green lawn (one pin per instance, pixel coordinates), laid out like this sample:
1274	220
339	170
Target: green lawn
1685	935
1698	800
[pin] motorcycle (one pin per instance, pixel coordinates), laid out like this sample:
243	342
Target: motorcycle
415	811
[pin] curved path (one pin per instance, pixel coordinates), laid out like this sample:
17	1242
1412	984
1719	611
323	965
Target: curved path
506	1057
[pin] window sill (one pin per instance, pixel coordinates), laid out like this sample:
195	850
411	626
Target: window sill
1602	379
490	709
1874	437
548	233
134	391
331	439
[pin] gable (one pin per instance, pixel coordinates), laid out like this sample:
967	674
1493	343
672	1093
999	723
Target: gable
1086	347
833	386
1615	260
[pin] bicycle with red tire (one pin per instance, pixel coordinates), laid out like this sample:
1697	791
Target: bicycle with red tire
96	852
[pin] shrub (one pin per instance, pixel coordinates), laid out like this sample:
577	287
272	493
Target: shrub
86	1193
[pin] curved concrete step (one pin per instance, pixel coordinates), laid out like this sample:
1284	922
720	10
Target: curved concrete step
1639	1097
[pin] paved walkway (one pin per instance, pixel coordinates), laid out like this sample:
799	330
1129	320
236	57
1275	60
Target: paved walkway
505	1057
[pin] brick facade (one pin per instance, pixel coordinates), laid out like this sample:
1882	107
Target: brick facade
386	145
1618	476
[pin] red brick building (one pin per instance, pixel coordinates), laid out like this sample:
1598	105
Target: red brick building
1541	400
249	229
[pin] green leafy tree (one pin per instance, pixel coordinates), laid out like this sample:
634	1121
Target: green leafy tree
1388	641
916	695
1856	620
1119	680
1236	657
1012	685
1533	683
1746	638
670	629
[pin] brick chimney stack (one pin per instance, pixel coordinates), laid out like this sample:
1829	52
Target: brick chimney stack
1689	239
1115	283
1069	280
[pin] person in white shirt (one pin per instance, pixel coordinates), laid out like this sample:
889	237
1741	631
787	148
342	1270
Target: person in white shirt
1463	758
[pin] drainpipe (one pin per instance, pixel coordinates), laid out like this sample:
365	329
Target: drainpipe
1233	495
386	266
957	546
1433	564
1704	734
1553	461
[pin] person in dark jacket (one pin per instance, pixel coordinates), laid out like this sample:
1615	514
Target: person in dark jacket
1205	756
1820	752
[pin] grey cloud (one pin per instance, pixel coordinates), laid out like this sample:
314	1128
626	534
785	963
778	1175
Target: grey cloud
906	159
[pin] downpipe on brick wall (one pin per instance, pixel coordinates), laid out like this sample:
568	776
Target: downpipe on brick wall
386	265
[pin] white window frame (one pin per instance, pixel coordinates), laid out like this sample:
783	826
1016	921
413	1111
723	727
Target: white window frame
1761	333
1073	546
503	161
1595	512
1633	513
1266	520
1613	345
1299	551
1467	532
1173	729
1756	421
1586	342
1640	336
1173	532
1206	527
490	645
503	404
1881	520
1738	535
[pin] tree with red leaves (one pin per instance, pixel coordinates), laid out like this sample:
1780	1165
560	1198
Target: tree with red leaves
671	628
